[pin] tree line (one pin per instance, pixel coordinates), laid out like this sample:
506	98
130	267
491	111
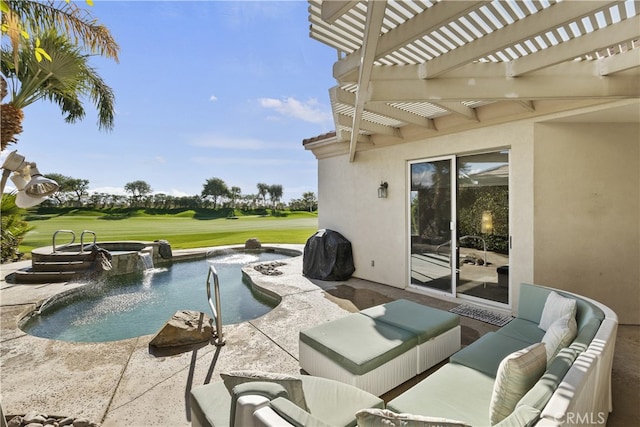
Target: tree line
74	192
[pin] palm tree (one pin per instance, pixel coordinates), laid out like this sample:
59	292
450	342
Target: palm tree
63	80
66	75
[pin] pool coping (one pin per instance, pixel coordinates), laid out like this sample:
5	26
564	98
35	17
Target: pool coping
121	382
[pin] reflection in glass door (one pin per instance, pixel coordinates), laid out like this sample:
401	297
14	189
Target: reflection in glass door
483	226
464	200
431	207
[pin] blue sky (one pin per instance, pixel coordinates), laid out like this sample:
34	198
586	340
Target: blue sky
225	89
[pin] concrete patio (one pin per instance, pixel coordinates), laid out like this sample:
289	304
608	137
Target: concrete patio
121	384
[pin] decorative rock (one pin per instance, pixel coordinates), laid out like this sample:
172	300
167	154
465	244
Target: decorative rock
34	418
65	422
186	327
252	243
81	422
270	268
15	421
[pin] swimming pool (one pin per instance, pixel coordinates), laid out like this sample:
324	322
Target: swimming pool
132	305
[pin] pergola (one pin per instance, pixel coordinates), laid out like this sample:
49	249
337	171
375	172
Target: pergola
417	68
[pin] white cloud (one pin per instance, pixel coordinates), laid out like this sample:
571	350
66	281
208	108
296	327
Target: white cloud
213	98
309	111
110	190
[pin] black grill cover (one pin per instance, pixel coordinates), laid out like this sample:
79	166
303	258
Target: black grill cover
327	256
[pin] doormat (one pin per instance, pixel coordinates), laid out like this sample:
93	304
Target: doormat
482	315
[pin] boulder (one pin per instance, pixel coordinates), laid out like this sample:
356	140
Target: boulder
186	327
252	243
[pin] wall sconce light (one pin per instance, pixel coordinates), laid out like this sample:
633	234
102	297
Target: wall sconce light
382	190
486	224
32	187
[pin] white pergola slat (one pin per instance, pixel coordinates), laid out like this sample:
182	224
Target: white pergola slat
419	62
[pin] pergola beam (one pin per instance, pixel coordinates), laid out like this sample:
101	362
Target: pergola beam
375	16
332	10
577	81
559	14
418	26
622	32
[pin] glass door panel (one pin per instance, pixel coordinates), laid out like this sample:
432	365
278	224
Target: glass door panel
483	226
431	207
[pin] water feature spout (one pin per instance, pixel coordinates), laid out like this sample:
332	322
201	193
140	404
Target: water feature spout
146	259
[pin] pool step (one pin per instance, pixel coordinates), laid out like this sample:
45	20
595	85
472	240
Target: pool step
58	266
61	256
55	267
30	276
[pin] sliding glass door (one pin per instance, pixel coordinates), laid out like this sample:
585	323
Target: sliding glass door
464	200
432	210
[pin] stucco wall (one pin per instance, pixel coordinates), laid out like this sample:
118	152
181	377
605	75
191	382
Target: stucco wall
377	228
587	214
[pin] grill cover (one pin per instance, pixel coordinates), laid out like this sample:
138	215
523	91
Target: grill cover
327	256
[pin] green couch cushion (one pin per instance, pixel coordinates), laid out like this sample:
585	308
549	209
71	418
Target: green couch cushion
586	334
531	302
524	330
211	405
425	322
522	416
358	343
538	396
453	391
486	353
336	403
387	418
295	415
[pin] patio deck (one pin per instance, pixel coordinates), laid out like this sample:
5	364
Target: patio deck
121	384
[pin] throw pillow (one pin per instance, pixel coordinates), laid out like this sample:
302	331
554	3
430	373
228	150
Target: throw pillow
559	335
292	384
555	307
387	418
517	373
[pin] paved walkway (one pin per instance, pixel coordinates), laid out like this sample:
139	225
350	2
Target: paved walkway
121	384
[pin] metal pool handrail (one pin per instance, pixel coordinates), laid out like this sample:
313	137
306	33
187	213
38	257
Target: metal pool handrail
82	238
53	242
218	339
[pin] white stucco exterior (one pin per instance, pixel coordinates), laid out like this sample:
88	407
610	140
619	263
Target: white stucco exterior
561	166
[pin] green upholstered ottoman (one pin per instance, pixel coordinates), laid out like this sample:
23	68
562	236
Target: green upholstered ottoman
381	347
438	331
357	350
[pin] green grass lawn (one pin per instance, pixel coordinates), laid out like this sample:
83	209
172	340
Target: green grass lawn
182	230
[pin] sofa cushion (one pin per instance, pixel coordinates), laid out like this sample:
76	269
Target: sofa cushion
336	403
538	396
425	322
210	405
359	343
295	415
559	335
516	374
485	354
387	418
524	330
454	391
292	384
556	307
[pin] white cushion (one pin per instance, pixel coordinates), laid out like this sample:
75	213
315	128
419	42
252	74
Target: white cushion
387	418
559	335
556	307
292	384
517	373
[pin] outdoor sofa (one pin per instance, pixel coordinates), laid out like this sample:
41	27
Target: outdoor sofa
503	378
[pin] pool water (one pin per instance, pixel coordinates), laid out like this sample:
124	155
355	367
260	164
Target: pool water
141	303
